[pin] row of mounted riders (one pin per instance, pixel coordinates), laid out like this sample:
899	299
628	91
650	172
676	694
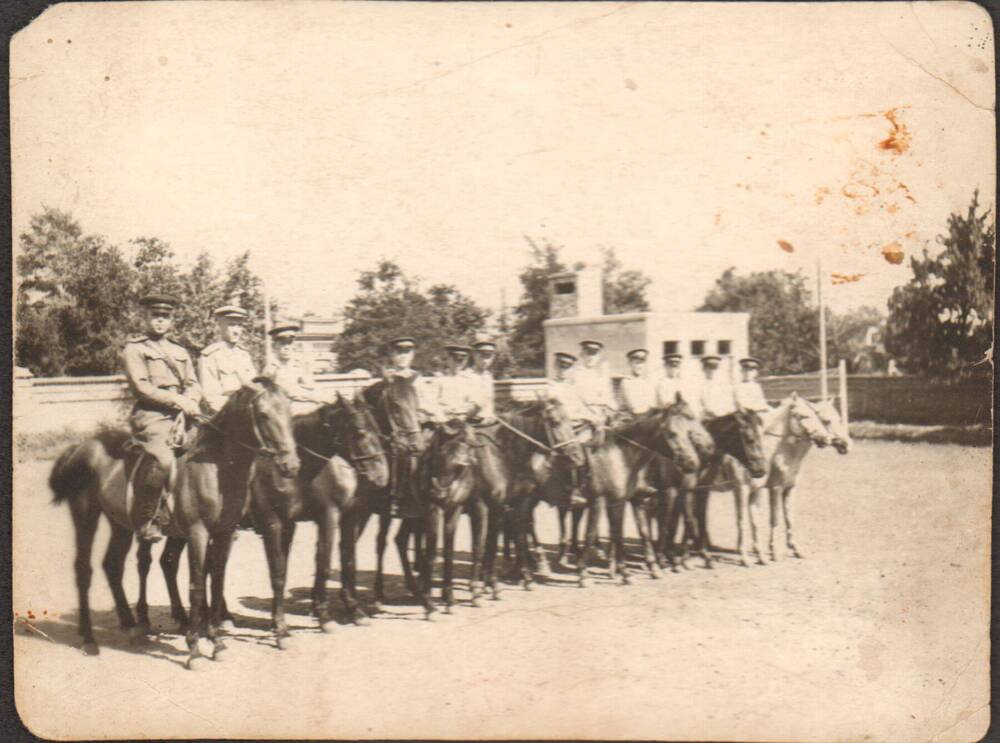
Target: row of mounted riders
353	458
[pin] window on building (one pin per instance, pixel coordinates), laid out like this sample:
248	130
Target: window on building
565	287
697	348
669	347
725	348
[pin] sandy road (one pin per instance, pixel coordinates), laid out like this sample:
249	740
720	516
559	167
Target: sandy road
880	634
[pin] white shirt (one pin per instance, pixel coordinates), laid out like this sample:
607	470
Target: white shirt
638	394
750	396
717	398
566	393
594	388
481	392
454	394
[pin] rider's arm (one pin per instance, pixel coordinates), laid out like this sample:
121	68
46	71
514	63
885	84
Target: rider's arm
192	390
137	374
211	387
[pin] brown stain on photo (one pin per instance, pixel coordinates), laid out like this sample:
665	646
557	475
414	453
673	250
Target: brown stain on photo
899	137
786	246
844	278
893	253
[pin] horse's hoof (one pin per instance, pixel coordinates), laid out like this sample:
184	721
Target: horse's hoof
583	581
544	569
376	608
797	554
90	648
654	571
626	580
709	565
136	635
218	649
327	626
359	619
429	614
565	563
282	641
227	625
527	585
744	562
447	608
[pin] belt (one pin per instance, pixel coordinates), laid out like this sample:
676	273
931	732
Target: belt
154	407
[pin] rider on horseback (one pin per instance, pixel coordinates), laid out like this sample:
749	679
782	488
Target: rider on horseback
161	376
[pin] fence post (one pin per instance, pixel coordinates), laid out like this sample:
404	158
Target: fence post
842	378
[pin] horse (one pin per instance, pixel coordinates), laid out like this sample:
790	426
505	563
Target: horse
797	425
618	473
738	460
342	456
394	402
494	475
544	458
209	485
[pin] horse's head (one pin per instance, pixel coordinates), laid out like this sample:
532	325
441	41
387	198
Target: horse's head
559	429
357	432
750	451
702	440
834	424
674	432
449	456
804	423
259	416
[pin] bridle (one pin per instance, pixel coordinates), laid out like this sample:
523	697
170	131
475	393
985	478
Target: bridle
353	456
260	446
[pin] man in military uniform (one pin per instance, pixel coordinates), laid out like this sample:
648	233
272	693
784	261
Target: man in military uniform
561	388
638	390
289	373
454	397
400	353
749	395
162	379
593	385
717	398
482	387
225	365
670	383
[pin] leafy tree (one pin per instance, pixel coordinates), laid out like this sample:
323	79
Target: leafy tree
624	291
390	304
784	329
77	299
941	322
845	335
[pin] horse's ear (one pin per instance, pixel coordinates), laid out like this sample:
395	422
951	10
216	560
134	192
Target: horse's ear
340	398
794	395
678	397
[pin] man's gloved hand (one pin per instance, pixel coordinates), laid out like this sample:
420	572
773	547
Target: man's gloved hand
189	407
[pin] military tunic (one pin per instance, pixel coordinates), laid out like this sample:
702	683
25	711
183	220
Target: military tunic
427	390
717	398
750	396
638	394
594	390
223	369
454	394
296	382
481	393
159	374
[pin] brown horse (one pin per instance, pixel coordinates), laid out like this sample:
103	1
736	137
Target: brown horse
342	457
545	459
209	489
393	402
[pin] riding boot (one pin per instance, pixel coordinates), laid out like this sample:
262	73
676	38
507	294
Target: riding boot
148	489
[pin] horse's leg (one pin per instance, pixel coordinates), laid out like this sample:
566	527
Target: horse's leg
774	496
402	547
114	569
198	540
273	533
326	531
495	518
524	510
169	564
86	513
478	516
348	568
700	518
643	525
670	515
542	567
451	518
384	522
562	558
740	499
616	543
432	525
594	509
754	513
144	555
219	549
786	502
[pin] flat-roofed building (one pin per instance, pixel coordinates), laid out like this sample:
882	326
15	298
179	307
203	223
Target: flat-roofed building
576	314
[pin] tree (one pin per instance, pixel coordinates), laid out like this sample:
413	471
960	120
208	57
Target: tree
784	329
390	304
78	296
941	322
846	332
624	291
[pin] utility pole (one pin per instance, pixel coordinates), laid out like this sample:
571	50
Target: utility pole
822	327
267	325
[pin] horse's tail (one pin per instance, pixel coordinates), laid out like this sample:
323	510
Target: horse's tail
71	474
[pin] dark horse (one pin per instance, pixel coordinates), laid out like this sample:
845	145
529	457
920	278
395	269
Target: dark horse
544	459
342	457
394	403
739	452
210	493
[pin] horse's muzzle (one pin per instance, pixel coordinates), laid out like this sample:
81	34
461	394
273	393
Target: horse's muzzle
841	445
288	464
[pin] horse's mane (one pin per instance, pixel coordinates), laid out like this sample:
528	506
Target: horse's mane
114	441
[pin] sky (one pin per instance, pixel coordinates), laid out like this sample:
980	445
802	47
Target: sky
322	136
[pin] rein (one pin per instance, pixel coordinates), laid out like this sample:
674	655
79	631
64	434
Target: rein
526	437
261	449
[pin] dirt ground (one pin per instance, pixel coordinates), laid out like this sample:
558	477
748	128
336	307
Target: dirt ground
880	634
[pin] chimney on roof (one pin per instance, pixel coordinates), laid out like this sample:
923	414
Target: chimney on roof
576	293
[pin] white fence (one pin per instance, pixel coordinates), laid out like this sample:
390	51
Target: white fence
82	403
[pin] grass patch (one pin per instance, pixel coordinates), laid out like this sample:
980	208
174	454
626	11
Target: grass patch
964	435
47	445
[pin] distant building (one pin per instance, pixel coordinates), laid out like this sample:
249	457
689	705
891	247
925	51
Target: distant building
871	358
576	313
314	343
